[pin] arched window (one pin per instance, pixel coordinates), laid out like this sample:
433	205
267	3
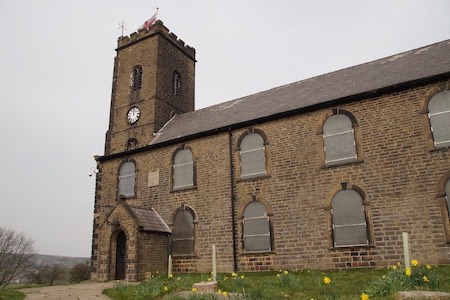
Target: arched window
349	219
183	237
136	80
339	140
127	176
183	169
439	115
256	228
447	196
132	144
176	83
253	156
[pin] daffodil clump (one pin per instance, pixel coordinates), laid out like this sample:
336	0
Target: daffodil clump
285	279
328	289
421	277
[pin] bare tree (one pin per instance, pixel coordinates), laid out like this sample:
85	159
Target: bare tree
16	249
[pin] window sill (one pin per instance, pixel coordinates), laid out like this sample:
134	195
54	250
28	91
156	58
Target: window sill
184	189
184	256
437	149
346	248
252	253
353	162
262	177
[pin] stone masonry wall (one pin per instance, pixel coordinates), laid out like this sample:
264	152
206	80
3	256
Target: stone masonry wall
396	172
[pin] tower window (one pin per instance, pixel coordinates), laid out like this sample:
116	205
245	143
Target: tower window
136	78
132	144
176	83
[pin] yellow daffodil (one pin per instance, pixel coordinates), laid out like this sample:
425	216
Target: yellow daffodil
414	263
194	290
170	275
233	274
278	275
225	294
394	268
428	267
242	276
425	279
326	280
364	296
166	289
408	272
209	279
285	272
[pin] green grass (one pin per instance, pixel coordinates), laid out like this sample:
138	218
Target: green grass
10	294
306	284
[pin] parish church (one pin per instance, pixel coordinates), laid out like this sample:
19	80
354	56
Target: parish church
323	173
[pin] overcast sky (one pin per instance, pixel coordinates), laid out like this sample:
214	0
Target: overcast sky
56	63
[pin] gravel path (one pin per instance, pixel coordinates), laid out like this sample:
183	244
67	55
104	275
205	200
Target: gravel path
81	291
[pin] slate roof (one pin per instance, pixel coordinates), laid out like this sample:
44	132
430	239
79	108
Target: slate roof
407	67
149	220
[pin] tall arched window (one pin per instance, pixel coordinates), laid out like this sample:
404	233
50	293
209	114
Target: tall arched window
127	176
252	156
183	236
136	79
339	140
256	228
447	196
349	219
439	115
183	169
176	83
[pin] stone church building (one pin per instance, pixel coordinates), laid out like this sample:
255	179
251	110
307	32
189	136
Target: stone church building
322	173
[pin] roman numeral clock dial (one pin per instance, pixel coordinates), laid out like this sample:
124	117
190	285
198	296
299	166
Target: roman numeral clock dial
133	115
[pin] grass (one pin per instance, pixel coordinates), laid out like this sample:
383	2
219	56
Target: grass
306	284
10	294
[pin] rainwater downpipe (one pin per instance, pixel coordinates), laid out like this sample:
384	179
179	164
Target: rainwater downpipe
233	218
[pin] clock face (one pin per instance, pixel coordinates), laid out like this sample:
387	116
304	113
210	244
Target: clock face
133	115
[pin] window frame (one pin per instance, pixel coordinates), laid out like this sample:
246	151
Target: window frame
176	83
185	208
443	199
264	149
431	116
365	214
174	168
356	140
120	180
136	78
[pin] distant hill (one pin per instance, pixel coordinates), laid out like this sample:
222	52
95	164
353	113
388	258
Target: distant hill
67	261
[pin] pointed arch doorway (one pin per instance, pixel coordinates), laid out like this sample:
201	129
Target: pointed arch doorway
121	249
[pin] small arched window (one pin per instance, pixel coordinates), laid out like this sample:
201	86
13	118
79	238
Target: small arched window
256	228
136	79
339	140
132	144
349	219
127	176
183	236
183	170
253	156
176	83
439	115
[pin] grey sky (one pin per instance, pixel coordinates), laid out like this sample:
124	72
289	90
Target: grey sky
56	62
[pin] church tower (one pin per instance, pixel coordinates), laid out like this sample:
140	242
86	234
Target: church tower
153	79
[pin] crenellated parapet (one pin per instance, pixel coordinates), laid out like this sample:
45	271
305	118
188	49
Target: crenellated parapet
157	28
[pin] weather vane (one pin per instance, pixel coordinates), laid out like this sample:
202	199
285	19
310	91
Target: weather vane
122	26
